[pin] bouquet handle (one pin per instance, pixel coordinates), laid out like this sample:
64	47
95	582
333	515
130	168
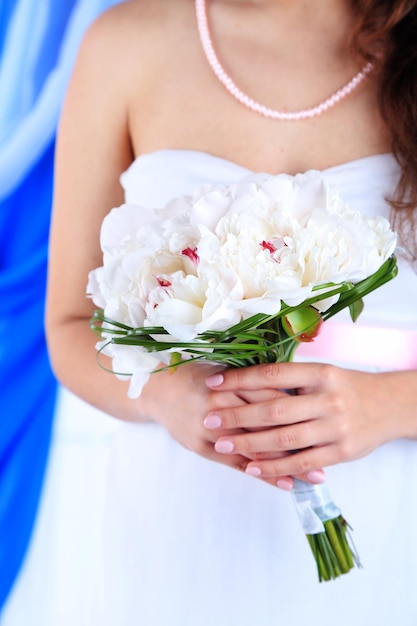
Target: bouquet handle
327	531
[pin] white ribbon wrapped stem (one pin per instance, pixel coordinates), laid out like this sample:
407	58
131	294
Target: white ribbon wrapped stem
314	506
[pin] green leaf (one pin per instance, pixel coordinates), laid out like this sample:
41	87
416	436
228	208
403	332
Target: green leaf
175	360
385	273
356	309
261	338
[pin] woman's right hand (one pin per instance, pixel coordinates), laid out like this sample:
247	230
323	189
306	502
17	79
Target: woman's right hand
180	400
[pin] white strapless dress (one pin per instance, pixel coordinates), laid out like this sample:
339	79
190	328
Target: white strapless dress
187	542
192	543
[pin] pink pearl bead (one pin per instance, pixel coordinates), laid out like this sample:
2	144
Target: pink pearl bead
244	99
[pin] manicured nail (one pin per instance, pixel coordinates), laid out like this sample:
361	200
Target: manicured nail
253	470
215	380
223	446
316	476
285	483
212	422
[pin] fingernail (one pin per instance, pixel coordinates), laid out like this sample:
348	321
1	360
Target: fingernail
316	476
223	446
215	380
253	471
285	483
212	422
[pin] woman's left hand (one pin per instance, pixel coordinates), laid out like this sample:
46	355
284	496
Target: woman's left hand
330	415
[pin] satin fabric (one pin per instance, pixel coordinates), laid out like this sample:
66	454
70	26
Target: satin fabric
218	547
38	42
163	537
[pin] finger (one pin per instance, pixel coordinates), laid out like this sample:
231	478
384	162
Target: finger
284	410
264	456
260	395
303	463
273	440
211	436
235	461
286	483
269	376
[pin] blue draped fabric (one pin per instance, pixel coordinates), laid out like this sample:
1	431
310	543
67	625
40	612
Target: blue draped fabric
38	43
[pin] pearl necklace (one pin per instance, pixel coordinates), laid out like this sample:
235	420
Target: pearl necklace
220	73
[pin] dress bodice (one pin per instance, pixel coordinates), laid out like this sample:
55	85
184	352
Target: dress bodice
157	177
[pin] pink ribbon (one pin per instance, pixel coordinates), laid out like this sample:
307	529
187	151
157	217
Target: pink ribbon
385	348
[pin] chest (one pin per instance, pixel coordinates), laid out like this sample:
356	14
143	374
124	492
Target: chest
186	107
216	124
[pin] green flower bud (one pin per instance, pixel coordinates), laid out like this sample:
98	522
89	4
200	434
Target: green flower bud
302	324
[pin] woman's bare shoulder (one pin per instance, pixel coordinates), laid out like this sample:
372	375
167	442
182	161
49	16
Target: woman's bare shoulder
136	33
140	19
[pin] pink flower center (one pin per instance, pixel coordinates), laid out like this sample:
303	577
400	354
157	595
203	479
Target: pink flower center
163	282
191	253
268	245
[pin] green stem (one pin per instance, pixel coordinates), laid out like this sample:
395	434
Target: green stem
321	568
337	544
341	527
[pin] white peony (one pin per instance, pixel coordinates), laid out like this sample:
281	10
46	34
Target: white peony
207	261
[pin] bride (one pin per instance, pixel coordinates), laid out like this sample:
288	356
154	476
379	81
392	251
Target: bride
199	526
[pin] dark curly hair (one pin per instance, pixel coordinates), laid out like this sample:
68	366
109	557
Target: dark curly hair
386	34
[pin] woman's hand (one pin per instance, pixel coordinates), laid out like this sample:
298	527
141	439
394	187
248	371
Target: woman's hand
179	400
332	415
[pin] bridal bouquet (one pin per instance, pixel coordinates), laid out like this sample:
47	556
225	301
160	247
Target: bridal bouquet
239	275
